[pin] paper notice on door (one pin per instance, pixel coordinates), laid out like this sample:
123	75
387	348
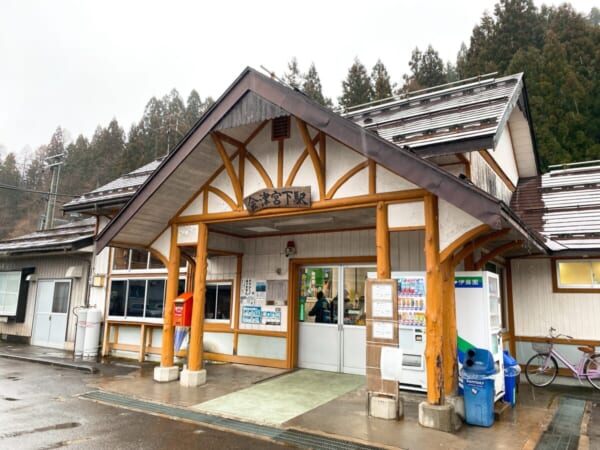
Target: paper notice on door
383	330
391	363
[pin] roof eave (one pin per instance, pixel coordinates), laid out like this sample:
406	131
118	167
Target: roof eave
403	162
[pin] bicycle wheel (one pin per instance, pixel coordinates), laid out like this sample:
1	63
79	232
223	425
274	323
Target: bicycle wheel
541	369
591	369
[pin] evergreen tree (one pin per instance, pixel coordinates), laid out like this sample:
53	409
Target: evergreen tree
356	88
9	198
293	76
380	79
194	109
311	86
427	70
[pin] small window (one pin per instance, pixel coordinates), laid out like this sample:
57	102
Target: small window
578	274
60	301
217	304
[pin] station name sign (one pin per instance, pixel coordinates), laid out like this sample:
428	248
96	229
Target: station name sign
288	197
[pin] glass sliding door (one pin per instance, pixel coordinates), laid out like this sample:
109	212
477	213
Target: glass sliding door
331	315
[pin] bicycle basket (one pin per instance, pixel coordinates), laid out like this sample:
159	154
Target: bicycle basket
541	347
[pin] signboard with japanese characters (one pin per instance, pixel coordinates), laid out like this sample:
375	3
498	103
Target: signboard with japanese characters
286	197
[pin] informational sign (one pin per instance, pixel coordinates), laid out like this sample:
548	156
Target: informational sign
468	282
251	314
288	197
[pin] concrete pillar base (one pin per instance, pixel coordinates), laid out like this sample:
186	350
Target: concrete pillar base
192	378
458	401
439	417
165	374
383	407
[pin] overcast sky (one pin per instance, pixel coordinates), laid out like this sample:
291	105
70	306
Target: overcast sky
79	64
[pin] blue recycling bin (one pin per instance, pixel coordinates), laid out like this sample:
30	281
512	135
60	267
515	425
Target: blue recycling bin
511	378
478	381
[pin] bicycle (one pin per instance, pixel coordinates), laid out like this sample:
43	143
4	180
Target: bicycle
542	368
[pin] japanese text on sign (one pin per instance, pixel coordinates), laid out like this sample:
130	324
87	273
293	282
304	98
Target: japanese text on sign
291	197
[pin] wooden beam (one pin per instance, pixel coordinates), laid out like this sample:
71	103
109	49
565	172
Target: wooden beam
450	331
166	358
477	243
460	241
372	177
434	349
197	331
510	313
382	242
314	156
353	171
496	252
235	182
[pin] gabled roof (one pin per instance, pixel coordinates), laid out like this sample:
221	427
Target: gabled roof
113	194
65	238
252	98
448	119
563	205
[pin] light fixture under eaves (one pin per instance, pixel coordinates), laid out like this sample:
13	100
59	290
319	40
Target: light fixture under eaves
304	221
261	229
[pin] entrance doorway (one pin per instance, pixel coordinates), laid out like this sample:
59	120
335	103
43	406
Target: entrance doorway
51	313
331	317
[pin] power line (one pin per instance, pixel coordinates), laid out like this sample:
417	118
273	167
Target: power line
15	188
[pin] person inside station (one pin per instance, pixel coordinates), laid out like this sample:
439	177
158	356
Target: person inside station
321	309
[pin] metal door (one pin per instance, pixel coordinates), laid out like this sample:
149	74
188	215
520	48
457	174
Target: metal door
51	313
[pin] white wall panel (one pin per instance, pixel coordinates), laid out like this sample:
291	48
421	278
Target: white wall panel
388	181
163	244
537	308
196	207
339	160
306	177
453	223
223	182
505	156
409	214
357	185
292	149
265	152
253	181
216	204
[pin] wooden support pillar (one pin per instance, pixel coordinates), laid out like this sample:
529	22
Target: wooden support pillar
167	349
382	242
434	349
450	332
195	354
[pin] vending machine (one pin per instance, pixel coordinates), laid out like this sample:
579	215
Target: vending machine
479	319
412	302
478	323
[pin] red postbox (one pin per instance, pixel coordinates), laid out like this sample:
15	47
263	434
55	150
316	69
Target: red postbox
182	312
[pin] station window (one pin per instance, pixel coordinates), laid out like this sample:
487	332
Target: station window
578	274
218	301
139	298
126	259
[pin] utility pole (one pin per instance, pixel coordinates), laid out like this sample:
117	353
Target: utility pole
55	163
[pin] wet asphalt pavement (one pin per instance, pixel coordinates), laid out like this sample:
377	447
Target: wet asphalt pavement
41	408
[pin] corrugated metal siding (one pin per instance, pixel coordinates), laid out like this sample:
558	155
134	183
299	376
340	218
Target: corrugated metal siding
537	308
250	109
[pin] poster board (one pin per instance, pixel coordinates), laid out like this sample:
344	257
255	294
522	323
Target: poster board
263	305
382	311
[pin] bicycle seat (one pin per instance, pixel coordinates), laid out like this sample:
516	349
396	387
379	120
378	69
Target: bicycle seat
586	349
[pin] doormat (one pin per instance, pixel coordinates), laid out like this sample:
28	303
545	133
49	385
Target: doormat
283	398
